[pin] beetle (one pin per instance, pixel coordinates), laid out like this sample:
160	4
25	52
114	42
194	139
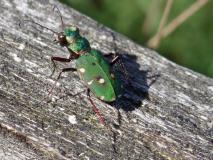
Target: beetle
91	65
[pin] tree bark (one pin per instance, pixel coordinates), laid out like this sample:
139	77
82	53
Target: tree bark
166	113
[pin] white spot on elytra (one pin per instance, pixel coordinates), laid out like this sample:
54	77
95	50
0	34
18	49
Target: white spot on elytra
82	70
72	119
90	82
102	97
101	80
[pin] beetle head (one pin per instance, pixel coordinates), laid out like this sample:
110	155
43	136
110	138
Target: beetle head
61	39
71	32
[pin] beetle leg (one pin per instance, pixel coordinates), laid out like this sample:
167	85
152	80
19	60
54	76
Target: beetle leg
63	70
113	58
95	109
102	120
66	70
59	59
72	95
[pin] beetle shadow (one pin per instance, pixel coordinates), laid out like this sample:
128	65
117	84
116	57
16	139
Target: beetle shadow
136	87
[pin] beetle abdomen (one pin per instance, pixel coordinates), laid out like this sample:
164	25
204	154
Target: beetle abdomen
95	71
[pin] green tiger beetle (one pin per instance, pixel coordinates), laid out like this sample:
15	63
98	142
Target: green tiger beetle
92	66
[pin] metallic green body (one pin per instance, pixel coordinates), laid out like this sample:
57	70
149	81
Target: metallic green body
92	67
79	45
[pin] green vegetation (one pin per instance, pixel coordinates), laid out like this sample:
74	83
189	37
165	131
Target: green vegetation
189	45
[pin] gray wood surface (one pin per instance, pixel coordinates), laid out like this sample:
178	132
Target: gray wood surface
173	121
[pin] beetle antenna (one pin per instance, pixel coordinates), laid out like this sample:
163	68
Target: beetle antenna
31	21
60	15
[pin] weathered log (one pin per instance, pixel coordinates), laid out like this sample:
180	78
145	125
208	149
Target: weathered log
173	121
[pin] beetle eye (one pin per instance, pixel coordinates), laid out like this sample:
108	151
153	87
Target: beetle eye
62	39
61	36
